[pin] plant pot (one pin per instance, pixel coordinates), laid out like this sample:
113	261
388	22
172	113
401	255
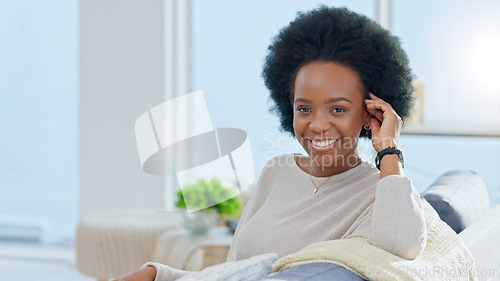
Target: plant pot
200	222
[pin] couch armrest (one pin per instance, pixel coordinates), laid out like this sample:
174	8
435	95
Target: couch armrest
483	240
459	197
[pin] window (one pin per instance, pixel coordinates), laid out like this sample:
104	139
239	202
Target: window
451	45
453	48
38	120
229	44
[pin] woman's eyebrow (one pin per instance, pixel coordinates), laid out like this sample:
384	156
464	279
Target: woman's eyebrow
303	100
331	100
337	99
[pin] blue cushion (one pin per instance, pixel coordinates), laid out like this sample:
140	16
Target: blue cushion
317	271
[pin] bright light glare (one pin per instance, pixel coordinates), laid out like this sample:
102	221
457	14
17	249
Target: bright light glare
483	61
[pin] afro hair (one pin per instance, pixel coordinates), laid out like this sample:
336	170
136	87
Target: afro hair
342	36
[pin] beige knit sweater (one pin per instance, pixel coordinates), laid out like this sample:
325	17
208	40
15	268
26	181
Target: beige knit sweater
283	215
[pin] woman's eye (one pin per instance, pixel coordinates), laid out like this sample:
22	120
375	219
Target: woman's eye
338	110
303	109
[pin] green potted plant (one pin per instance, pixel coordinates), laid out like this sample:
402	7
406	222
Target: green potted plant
212	199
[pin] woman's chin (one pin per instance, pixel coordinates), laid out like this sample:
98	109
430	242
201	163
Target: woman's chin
322	160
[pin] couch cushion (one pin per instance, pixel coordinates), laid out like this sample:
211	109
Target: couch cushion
315	272
459	197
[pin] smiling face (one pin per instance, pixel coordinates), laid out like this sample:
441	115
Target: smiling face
329	113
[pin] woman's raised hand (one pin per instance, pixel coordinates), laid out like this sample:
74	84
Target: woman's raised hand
387	133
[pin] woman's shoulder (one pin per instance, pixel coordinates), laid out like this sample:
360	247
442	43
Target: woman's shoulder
268	177
369	168
367	171
278	166
280	161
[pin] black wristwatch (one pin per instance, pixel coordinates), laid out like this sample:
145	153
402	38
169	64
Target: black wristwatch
389	150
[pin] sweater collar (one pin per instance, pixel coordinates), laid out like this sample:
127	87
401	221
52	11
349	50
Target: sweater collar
361	170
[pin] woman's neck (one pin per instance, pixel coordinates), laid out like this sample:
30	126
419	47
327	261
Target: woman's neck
316	169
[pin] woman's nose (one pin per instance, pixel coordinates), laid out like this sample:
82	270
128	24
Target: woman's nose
319	123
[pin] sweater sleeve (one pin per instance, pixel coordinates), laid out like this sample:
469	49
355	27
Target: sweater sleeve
398	222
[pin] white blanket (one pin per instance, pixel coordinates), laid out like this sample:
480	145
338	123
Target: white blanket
445	257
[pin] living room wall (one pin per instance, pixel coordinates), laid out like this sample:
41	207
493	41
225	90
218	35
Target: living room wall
121	77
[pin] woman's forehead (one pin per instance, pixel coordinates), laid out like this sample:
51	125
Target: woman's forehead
328	79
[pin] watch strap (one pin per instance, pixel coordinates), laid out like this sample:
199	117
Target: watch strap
386	151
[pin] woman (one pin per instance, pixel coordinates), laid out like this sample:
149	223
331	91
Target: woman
334	76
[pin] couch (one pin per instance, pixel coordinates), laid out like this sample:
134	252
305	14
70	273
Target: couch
460	198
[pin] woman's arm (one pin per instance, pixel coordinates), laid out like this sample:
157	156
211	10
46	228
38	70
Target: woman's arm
386	134
398	223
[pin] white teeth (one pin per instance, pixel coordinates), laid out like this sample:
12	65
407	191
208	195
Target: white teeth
323	143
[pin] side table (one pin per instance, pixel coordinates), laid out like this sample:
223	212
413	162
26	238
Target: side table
182	250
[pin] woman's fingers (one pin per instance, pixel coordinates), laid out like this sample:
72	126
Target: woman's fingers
375	126
375	112
379	104
385	123
380	109
374	96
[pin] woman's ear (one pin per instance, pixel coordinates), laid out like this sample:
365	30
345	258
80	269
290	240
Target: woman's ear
367	117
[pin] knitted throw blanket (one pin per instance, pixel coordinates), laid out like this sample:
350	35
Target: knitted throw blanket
445	257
